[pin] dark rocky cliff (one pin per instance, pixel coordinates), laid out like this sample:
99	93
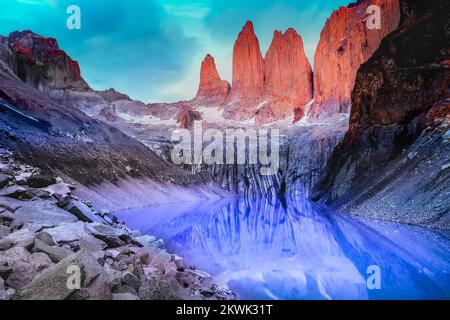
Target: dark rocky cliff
394	161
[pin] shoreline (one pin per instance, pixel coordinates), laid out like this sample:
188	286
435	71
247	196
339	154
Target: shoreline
45	229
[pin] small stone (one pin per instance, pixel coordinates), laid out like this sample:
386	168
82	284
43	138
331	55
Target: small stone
160	260
131	280
178	262
16	192
40	181
4	179
170	269
136	233
150	272
146	240
120	265
10	292
4	231
3	294
164	289
124	296
111	253
56	254
46	238
23	238
81	211
22	178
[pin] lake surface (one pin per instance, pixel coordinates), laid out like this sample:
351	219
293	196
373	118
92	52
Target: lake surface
295	249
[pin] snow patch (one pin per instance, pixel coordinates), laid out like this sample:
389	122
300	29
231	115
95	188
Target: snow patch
147	120
210	114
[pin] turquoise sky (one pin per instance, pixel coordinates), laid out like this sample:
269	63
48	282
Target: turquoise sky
152	49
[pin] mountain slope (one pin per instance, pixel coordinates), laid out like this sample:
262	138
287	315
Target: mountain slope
394	161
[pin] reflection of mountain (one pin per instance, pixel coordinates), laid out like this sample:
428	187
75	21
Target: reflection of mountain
264	250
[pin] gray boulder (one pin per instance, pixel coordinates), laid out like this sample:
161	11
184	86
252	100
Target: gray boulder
24	266
40	181
82	211
124	296
68	232
113	237
55	282
76	233
4	179
44	213
4	231
46	238
23	238
56	254
133	281
16	192
159	288
3	294
11	204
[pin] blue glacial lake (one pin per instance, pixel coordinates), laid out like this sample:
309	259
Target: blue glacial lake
294	249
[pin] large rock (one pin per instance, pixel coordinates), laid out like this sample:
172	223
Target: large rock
4	179
186	117
52	283
131	280
345	43
25	266
3	295
76	234
68	232
55	253
23	238
40	181
160	288
124	296
82	211
4	231
102	230
43	212
16	192
11	204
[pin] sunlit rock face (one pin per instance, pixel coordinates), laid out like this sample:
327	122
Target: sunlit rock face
397	147
268	89
248	75
345	43
40	62
212	89
288	77
248	65
294	249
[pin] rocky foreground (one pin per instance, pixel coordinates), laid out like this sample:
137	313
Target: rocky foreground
45	231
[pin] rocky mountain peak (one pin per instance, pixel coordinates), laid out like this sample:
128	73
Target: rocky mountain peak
288	74
40	62
248	64
211	86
